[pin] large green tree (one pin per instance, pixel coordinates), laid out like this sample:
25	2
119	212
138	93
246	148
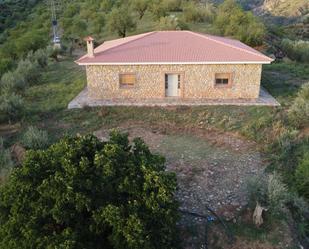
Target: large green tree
83	193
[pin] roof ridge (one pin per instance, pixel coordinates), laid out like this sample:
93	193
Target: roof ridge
228	45
140	37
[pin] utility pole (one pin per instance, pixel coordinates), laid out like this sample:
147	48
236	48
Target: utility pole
54	6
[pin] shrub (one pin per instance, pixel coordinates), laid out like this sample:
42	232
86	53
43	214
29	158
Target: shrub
6	162
232	20
11	107
29	70
11	81
296	50
302	177
5	65
168	23
299	110
83	193
158	8
300	211
173	5
195	13
269	191
40	57
53	52
35	138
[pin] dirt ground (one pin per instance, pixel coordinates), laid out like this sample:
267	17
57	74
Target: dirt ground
212	169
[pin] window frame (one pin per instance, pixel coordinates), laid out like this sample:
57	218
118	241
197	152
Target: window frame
122	85
223	85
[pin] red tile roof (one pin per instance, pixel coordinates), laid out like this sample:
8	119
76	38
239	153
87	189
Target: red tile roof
173	47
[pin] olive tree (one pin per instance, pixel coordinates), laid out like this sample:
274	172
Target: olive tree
121	20
84	193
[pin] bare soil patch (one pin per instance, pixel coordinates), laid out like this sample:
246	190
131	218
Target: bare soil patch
211	167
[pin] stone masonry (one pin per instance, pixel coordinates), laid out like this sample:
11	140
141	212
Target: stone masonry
197	81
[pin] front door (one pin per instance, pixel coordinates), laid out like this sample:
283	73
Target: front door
171	85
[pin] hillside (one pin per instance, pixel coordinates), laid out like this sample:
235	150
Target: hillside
284	8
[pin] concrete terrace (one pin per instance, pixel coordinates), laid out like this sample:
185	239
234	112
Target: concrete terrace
82	100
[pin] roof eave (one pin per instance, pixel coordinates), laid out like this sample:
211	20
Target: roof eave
171	63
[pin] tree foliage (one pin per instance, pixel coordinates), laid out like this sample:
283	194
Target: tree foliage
232	20
83	193
121	20
296	50
140	6
195	13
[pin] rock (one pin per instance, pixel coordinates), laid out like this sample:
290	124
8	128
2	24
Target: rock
258	215
18	153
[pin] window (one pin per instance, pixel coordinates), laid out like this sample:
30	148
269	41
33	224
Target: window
223	79
166	81
127	79
178	81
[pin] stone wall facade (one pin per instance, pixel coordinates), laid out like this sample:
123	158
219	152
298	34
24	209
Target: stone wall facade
197	81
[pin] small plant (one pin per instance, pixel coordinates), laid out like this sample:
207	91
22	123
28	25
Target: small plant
299	111
11	107
35	138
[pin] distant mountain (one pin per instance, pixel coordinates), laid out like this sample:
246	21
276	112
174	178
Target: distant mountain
283	8
277	11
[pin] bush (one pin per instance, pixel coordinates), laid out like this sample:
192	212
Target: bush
5	65
12	81
195	13
11	107
35	138
53	52
40	57
6	162
232	20
29	70
83	193
282	151
302	177
269	191
168	23
296	50
158	8
299	110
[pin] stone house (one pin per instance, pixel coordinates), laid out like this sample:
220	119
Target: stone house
172	65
